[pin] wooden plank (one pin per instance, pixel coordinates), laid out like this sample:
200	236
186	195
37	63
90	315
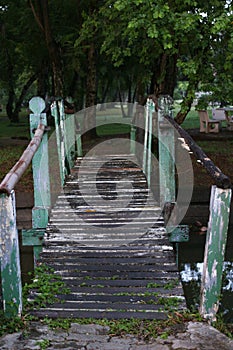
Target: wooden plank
70	258
72	305
137	291
144	268
112	315
76	299
123	275
163	279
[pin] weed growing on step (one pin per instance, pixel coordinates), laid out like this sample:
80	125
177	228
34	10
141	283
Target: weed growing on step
142	329
43	344
10	325
46	286
170	302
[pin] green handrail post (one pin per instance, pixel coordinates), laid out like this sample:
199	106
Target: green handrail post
10	257
132	139
55	111
151	108
220	202
166	154
146	163
63	138
41	180
79	150
70	139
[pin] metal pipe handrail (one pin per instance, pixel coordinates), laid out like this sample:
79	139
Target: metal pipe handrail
220	179
14	175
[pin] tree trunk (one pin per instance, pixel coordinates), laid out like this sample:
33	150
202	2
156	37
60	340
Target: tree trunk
90	113
121	103
41	14
164	76
42	80
187	102
24	91
53	51
10	80
140	92
10	106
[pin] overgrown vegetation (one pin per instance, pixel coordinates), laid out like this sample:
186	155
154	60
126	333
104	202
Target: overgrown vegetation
47	286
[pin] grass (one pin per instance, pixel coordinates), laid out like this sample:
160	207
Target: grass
9	155
19	130
109	122
217	147
191	120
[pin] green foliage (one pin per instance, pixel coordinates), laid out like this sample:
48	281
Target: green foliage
142	329
224	328
11	325
48	287
43	344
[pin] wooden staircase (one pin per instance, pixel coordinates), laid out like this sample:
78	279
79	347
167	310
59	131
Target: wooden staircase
107	241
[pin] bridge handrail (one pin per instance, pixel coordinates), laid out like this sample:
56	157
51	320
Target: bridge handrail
221	180
17	171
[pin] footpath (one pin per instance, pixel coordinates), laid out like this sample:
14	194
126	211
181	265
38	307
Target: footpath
194	336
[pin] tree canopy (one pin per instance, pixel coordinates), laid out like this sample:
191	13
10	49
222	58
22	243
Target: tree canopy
97	51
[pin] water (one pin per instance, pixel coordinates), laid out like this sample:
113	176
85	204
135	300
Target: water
191	265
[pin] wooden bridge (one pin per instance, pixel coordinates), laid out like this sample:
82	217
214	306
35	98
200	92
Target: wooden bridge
106	235
113	266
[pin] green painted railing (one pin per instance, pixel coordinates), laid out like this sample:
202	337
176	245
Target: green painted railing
220	200
9	252
68	141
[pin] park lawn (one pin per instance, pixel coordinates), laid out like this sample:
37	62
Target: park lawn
19	130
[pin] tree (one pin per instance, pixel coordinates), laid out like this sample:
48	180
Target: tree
164	37
16	75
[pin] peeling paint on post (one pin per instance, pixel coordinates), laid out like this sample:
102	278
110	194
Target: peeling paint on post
63	138
69	138
40	166
79	142
150	107
10	258
215	251
132	139
166	158
56	114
